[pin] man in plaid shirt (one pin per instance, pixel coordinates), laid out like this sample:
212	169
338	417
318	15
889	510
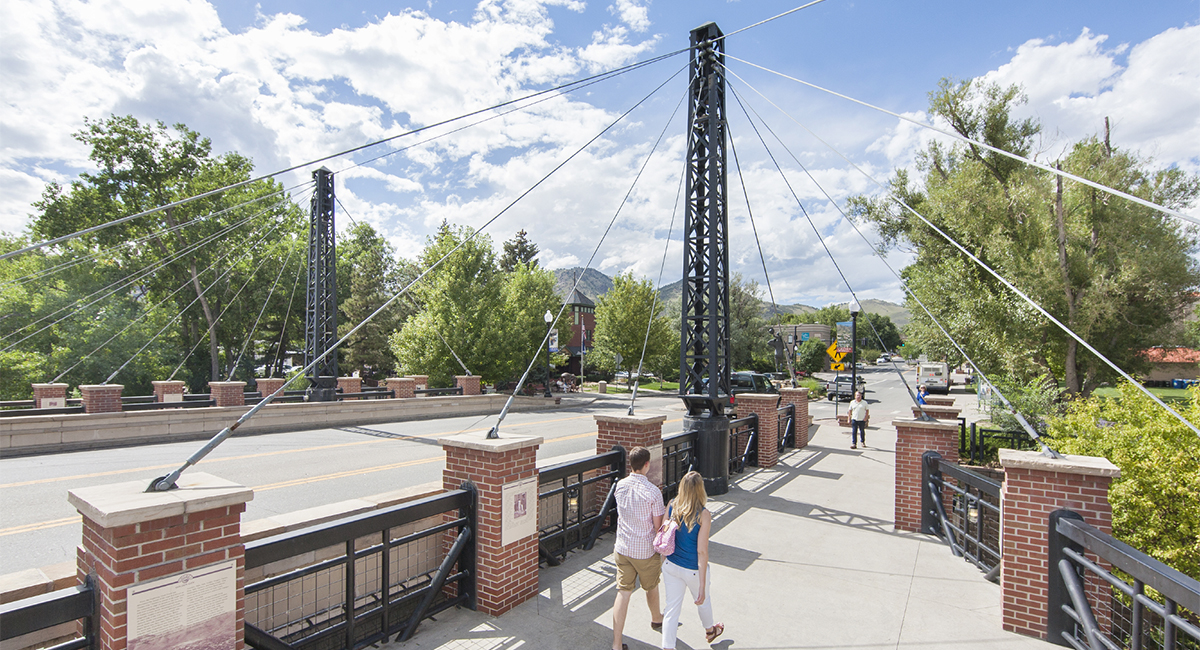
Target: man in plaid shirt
640	512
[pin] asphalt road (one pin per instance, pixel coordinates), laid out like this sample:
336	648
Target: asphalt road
293	471
288	471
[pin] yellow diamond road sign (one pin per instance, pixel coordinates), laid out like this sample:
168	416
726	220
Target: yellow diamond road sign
833	353
837	366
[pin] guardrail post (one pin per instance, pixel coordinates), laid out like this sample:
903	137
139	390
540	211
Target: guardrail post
49	396
468	383
504	473
913	439
153	554
101	398
228	393
168	391
930	524
797	397
1035	486
766	407
1057	620
402	387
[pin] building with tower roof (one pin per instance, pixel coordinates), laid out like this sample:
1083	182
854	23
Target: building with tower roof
582	312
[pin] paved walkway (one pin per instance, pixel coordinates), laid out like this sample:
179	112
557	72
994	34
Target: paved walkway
804	556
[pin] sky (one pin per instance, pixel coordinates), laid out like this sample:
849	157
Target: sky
290	82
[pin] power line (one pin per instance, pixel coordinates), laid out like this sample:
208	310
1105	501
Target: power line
987	268
958	136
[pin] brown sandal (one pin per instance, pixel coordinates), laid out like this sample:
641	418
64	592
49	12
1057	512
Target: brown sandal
715	632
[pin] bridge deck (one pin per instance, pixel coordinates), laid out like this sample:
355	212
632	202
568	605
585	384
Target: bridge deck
804	556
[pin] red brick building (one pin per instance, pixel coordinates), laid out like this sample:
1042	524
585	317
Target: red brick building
582	314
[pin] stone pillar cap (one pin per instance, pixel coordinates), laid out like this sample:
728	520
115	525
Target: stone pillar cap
1068	464
166	382
121	504
634	419
922	424
757	396
226	383
121	386
494	445
48	385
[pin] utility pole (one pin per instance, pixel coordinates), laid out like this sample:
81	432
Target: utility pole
320	315
704	354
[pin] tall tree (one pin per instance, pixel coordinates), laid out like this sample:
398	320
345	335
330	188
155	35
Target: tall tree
368	276
519	250
748	337
622	315
1113	271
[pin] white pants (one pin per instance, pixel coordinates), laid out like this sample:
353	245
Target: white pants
675	578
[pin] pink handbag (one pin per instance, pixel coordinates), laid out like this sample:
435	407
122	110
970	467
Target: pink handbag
664	539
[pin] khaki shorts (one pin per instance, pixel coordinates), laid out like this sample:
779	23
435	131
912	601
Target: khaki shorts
629	569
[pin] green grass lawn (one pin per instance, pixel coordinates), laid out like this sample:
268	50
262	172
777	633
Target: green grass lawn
1174	394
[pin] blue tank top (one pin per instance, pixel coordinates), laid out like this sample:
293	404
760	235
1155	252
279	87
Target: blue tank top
686	541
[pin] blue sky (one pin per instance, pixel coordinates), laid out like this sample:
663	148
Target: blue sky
287	82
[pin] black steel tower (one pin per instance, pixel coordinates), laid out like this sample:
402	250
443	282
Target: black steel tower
704	354
320	316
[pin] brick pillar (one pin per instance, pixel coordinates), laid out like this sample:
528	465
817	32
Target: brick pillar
939	401
228	393
103	398
765	406
401	386
44	392
268	385
131	538
506	560
168	391
799	398
948	413
1035	486
420	382
631	431
350	385
469	383
913	439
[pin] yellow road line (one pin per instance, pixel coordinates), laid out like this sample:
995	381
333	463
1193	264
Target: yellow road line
29	528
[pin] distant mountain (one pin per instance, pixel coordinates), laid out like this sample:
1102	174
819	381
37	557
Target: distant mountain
592	283
595	284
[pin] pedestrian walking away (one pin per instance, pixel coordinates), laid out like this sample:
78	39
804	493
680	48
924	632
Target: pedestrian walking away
640	512
858	421
687	568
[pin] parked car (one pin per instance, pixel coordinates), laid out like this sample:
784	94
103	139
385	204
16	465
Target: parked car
843	388
745	382
883	360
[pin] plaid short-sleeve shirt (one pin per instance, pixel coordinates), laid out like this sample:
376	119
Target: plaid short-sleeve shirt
638	503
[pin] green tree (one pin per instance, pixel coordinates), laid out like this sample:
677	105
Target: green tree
748	337
143	166
810	356
1154	499
1113	271
622	315
368	276
519	250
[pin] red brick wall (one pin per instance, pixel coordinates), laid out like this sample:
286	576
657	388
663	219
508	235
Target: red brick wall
162	388
228	393
266	386
506	575
102	398
126	555
49	391
401	386
938	412
766	408
350	385
798	397
469	383
422	381
1028	497
913	439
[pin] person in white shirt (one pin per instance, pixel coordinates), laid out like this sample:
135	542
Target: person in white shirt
640	511
858	421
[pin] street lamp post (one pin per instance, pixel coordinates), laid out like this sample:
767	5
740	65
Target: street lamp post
854	309
549	318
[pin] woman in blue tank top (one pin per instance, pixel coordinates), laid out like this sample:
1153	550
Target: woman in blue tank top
687	568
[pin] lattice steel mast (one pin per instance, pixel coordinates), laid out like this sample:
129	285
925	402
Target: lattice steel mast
320	316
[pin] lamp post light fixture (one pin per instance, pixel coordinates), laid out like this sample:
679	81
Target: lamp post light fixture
549	318
854	309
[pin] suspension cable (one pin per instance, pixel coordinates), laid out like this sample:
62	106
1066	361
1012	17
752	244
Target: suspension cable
284	322
774	307
610	73
654	304
958	136
122	283
254	328
879	253
144	314
987	268
775	17
167	482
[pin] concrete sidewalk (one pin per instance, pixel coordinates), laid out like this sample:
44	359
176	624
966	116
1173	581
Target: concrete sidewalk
804	556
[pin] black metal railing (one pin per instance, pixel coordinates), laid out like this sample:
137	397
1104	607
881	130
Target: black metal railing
45	611
1093	607
577	503
786	418
743	443
981	446
678	458
971	526
435	392
354	582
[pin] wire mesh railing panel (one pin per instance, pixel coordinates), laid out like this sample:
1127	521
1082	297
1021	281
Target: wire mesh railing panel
743	443
964	510
571	499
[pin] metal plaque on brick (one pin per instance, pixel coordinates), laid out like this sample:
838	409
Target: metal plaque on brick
53	402
172	397
192	610
656	465
519	517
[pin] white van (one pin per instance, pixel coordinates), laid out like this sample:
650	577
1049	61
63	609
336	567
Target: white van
935	377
